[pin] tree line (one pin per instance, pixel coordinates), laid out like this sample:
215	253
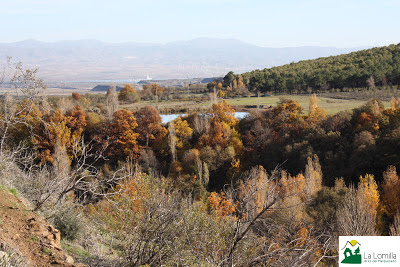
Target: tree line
368	68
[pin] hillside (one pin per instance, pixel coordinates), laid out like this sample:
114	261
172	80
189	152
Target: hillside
27	239
366	68
84	60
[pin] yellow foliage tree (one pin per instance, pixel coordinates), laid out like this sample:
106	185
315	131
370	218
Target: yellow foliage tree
183	133
367	192
240	82
222	112
221	93
315	112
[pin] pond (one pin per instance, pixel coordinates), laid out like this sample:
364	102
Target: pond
169	117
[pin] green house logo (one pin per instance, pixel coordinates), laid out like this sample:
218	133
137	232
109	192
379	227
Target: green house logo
351	252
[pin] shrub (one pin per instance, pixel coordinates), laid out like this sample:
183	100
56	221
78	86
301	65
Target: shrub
69	224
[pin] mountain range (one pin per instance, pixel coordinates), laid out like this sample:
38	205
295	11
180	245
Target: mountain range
83	60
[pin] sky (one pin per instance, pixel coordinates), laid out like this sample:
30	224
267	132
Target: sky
268	23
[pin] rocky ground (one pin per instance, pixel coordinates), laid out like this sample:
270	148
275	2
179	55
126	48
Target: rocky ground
27	239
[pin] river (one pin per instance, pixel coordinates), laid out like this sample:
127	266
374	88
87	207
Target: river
169	117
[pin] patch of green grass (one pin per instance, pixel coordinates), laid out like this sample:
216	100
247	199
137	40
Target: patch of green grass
46	251
74	250
33	239
13	191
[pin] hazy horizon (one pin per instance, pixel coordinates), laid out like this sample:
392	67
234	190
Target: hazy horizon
287	23
180	41
77	60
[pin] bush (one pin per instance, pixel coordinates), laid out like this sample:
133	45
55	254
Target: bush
69	224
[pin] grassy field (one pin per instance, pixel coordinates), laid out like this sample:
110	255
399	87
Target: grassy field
330	105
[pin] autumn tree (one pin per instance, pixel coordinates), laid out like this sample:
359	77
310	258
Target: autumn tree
128	94
65	128
155	89
285	117
315	112
22	129
313	176
220	204
76	96
255	189
180	133
149	126
76	121
240	82
391	190
367	117
222	112
28	89
367	192
355	216
223	130
122	135
221	146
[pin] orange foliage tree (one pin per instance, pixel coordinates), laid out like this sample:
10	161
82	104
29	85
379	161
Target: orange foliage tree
149	126
223	131
76	96
391	190
221	204
122	135
65	128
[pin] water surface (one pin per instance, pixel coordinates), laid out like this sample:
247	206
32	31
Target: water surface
169	117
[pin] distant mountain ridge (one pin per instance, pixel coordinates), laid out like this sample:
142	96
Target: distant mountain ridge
203	57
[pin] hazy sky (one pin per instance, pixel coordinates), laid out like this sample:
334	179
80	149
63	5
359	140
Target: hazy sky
270	23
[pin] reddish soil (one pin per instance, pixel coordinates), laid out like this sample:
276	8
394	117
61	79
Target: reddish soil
25	235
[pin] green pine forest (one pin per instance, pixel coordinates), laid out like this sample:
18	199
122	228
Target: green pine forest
352	70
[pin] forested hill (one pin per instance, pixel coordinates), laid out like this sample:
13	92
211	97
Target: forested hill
365	68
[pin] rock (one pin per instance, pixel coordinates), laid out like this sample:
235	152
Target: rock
54	245
51	234
69	259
